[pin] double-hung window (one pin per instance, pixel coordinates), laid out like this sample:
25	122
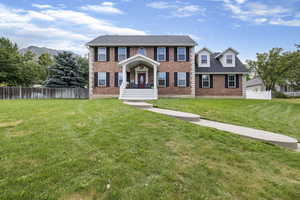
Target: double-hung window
162	79
229	59
181	79
101	54
181	54
122	53
205	81
141	51
120	78
161	54
204	59
231	81
101	78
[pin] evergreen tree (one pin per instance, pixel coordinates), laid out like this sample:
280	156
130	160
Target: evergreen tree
65	73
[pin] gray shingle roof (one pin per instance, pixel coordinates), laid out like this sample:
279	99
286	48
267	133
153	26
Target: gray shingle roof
253	82
142	40
217	67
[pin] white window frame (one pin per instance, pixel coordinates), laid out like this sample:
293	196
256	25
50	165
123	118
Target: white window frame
181	76
207	80
234	80
102	54
120	78
162	53
230	63
144	54
119	54
164	78
100	79
202	59
178	55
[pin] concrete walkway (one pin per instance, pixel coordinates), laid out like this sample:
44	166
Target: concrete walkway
252	133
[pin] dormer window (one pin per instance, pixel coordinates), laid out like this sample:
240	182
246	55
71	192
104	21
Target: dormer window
204	59
229	59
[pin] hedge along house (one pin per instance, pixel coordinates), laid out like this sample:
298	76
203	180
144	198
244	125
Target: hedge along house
152	66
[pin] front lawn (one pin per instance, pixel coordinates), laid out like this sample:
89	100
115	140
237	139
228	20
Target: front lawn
281	116
103	149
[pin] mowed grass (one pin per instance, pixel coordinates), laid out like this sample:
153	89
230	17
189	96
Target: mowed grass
280	116
103	149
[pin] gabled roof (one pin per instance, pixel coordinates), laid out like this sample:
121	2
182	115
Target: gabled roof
216	67
229	49
142	40
253	82
139	58
205	49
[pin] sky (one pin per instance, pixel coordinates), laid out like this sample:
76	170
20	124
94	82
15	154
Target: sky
249	26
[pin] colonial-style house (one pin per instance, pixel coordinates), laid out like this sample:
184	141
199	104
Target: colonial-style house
152	66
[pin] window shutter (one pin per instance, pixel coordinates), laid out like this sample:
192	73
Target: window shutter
187	54
107	54
155	53
211	78
107	79
96	53
237	83
116	54
116	79
128	52
200	80
226	81
96	79
167	79
187	79
175	79
175	53
128	77
167	53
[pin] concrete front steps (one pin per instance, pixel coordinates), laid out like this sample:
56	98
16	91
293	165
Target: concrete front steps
138	94
266	136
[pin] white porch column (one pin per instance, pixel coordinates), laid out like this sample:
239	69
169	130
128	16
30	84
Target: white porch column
124	76
155	76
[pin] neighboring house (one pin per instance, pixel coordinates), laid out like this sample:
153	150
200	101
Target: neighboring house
256	84
152	66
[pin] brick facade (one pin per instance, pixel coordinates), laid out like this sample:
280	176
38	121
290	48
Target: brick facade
219	88
170	66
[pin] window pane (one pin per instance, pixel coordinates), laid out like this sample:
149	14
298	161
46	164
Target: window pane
122	53
162	79
120	78
205	81
204	59
141	51
181	51
181	76
231	80
161	54
229	59
101	78
102	54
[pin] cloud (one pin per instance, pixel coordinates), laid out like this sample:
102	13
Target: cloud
105	7
178	8
60	28
42	6
260	13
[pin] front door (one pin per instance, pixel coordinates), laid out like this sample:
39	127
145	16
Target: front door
141	80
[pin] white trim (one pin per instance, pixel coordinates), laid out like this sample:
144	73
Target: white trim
119	53
102	79
205	49
178	85
228	49
139	57
185	54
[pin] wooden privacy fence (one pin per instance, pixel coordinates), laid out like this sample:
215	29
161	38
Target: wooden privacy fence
43	93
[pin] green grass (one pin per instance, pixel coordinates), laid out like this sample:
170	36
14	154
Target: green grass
281	116
74	149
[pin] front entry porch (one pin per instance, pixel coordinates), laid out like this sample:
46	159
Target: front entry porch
140	75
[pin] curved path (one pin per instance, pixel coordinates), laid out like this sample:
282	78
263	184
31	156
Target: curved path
252	133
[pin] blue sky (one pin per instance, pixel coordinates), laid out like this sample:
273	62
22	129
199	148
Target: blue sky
249	26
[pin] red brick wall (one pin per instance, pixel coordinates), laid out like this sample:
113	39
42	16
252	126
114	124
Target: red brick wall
219	87
169	66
